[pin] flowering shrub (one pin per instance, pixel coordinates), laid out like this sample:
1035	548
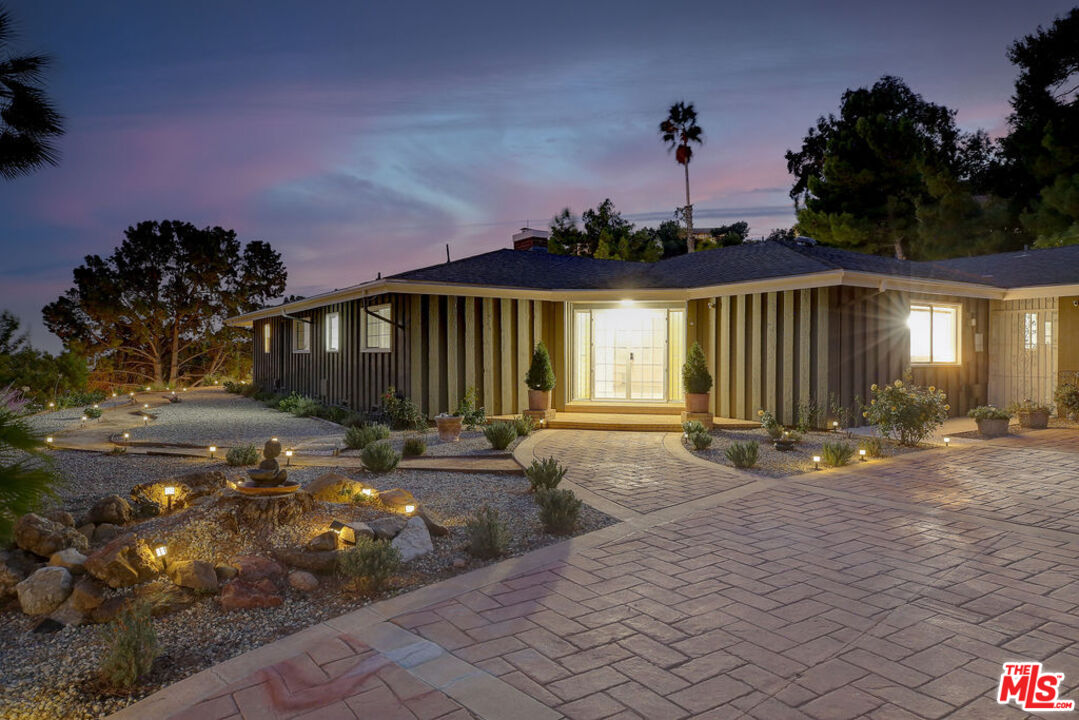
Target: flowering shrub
906	412
1067	397
770	424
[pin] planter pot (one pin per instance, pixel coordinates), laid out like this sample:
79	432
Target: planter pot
993	428
449	427
697	402
1037	419
539	399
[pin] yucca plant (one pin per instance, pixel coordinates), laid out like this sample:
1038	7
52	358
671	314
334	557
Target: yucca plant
487	534
743	454
689	427
380	457
544	474
26	472
500	434
701	440
836	454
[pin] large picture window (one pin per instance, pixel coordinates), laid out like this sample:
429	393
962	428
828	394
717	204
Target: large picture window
301	336
333	332
379	333
934	334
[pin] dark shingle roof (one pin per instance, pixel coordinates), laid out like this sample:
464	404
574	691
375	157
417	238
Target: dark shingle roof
740	263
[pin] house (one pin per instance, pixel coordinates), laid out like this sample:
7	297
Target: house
783	324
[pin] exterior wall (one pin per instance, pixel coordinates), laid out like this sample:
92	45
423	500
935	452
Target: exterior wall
1068	336
1019	373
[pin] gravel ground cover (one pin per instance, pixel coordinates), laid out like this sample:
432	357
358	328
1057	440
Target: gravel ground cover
52	675
775	463
472	442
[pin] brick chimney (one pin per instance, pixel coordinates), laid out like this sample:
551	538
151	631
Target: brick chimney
529	239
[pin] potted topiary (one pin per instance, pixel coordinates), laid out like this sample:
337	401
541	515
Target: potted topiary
992	421
696	380
540	379
1031	414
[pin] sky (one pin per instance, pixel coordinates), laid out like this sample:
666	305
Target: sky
359	137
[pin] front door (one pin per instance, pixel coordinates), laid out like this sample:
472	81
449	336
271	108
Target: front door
629	354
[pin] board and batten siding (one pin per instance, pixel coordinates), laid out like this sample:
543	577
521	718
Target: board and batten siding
445	344
1024	368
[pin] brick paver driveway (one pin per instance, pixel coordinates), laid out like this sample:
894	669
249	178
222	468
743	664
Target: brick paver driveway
883	590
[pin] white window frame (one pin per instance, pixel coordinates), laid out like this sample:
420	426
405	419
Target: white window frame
333	332
932	306
267	335
1030	331
301	336
386	322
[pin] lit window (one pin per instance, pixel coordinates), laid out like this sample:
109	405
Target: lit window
379	327
1048	332
333	332
301	336
266	337
934	334
1030	331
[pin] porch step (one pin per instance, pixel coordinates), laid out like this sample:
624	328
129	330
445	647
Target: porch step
619	409
639	422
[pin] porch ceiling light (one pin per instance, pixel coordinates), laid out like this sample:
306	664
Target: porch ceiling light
626	303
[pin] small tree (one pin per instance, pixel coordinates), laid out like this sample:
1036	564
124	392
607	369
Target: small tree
26	473
540	373
695	376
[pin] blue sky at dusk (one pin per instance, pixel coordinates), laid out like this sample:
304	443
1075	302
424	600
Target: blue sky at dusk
359	138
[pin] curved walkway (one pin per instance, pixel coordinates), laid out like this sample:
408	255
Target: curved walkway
892	589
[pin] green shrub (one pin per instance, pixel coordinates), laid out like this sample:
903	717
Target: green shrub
524	425
232	387
249	391
770	424
701	440
873	446
540	373
242	455
988	412
414	446
132	648
290	402
836	454
358	438
743	454
380	457
471	416
26	471
500	434
544	474
689	427
369	564
558	510
487	534
807	416
1067	399
905	412
92	412
402	412
695	375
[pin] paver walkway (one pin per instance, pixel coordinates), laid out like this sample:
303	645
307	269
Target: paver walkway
891	589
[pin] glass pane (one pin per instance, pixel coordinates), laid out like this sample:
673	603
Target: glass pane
629	353
1030	331
920	324
676	342
582	321
945	346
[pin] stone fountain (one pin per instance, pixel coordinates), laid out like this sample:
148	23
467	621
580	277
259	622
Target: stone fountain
269	478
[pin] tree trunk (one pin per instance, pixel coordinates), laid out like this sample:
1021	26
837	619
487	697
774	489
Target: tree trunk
174	355
691	243
898	242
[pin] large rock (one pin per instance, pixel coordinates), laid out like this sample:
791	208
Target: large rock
323	541
125	561
71	559
397	498
110	509
68	613
195	574
60	516
354	530
44	591
86	595
225	573
320	561
433	522
87	531
253	568
334	487
240	595
109	609
15	566
414	540
163	598
386	528
302	580
106	532
44	537
260	512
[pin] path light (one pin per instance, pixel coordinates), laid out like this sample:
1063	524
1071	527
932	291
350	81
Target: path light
147	388
161	551
84	418
409	509
145	406
145	420
127	436
96	406
367	491
816	462
288	457
48	440
861	455
131	394
274	439
114	393
169	492
52	404
185	389
213	449
947	441
835	426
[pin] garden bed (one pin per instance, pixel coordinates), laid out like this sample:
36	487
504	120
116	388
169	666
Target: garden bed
776	463
1055	423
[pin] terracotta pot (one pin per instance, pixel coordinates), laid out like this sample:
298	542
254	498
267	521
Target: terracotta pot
697	402
993	428
1035	419
449	427
539	399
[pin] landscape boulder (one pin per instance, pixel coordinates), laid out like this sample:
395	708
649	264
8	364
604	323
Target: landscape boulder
323	541
386	528
225	573
163	598
110	509
334	487
87	531
195	574
253	568
397	498
71	559
109	609
86	595
124	561
320	561
433	522
355	530
302	580
414	540
240	594
68	613
60	516
15	566
106	532
44	537
44	591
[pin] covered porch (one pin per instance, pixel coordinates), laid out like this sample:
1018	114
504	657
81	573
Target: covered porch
639	418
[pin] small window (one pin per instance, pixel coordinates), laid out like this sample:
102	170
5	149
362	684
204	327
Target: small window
379	327
1048	332
934	334
266	334
1030	331
333	332
301	336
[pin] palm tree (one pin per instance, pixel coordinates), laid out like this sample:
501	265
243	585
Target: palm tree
678	131
28	122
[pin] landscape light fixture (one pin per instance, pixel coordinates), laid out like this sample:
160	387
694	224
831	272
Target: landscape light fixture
114	394
861	454
145	406
288	457
213	449
145	419
274	439
52	404
131	394
147	388
337	526
161	551
48	440
816	462
96	406
409	509
185	389
169	492
835	426
947	441
84	418
127	436
367	491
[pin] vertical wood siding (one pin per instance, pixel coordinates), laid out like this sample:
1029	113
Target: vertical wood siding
1020	373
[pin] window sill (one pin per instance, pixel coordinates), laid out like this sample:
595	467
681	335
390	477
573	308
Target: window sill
936	365
301	352
377	350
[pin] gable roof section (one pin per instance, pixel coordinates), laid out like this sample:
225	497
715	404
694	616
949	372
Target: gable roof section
1024	268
